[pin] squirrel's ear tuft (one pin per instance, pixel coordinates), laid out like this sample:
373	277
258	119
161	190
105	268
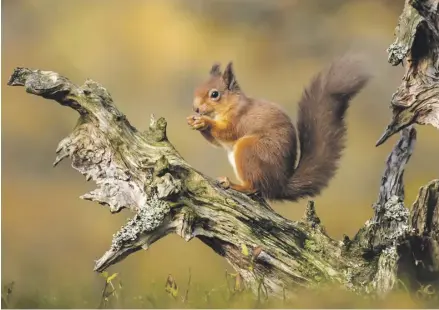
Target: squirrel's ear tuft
230	79
216	69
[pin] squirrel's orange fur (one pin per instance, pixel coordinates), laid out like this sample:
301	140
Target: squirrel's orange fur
261	140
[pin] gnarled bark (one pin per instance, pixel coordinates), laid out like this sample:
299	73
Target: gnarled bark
416	46
142	171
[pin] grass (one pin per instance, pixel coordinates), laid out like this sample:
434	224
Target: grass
230	294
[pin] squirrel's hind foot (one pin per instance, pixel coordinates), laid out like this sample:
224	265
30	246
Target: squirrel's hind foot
223	182
246	188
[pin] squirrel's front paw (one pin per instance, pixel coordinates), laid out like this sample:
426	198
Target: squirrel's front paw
224	182
197	122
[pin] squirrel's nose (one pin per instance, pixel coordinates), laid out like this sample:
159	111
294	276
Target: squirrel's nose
197	110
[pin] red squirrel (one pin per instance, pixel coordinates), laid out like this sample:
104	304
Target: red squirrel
260	138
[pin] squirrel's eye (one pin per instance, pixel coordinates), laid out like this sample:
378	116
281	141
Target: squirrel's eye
214	94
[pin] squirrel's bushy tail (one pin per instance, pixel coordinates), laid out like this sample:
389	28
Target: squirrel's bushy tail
321	125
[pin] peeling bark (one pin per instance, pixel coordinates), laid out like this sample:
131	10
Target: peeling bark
142	171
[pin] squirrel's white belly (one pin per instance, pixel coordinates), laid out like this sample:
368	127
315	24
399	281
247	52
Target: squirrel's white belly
231	156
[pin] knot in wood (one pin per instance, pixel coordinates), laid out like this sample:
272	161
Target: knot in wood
167	186
157	129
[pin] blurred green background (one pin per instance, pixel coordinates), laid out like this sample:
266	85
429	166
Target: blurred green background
150	55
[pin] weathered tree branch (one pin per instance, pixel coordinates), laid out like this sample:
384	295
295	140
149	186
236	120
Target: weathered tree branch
416	46
141	171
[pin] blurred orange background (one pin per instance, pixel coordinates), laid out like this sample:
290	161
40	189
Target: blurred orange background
150	55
